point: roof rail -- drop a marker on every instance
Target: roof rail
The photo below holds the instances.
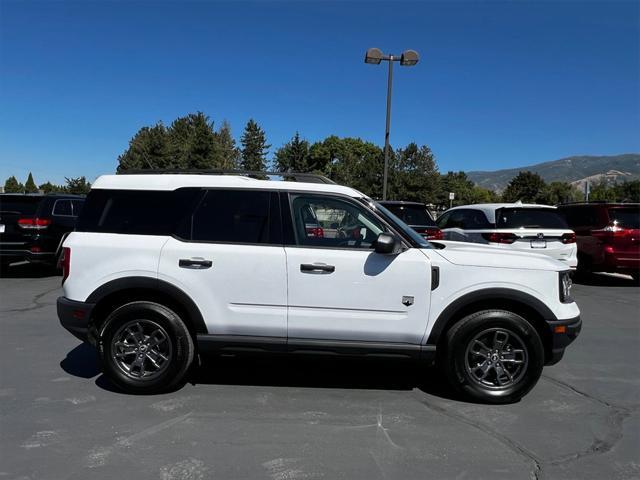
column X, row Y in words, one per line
column 296, row 176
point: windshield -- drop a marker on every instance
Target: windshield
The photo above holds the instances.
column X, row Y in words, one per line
column 626, row 217
column 412, row 214
column 529, row 218
column 399, row 224
column 17, row 205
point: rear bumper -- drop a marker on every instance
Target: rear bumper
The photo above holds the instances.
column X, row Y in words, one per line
column 563, row 332
column 10, row 256
column 75, row 318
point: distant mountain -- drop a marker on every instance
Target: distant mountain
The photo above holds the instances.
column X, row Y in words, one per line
column 575, row 170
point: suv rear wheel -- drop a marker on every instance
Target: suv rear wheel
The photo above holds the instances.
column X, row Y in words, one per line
column 146, row 348
column 493, row 356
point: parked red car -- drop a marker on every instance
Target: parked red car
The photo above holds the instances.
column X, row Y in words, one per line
column 608, row 236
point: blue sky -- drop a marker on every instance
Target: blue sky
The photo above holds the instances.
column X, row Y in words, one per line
column 499, row 84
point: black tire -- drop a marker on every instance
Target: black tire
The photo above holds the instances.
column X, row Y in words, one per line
column 132, row 329
column 510, row 372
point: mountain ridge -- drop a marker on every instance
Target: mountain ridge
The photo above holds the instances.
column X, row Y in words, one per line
column 575, row 169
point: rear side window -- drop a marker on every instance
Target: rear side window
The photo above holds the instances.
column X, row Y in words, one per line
column 62, row 208
column 18, row 205
column 141, row 212
column 625, row 217
column 236, row 216
column 77, row 206
column 529, row 218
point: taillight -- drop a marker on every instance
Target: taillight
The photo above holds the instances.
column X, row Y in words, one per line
column 568, row 238
column 610, row 232
column 65, row 262
column 34, row 223
column 498, row 237
column 432, row 234
column 315, row 232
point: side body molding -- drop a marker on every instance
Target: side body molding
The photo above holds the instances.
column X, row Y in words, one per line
column 158, row 286
column 489, row 296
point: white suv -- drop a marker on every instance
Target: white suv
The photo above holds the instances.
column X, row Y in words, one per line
column 513, row 226
column 163, row 267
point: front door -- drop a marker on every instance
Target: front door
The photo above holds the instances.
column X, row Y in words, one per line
column 339, row 288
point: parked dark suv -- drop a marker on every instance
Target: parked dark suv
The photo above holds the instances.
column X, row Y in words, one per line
column 608, row 236
column 33, row 226
column 417, row 216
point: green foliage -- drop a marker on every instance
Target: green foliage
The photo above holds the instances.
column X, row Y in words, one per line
column 13, row 186
column 293, row 156
column 254, row 147
column 30, row 185
column 621, row 192
column 413, row 175
column 527, row 187
column 228, row 152
column 560, row 192
column 49, row 187
column 77, row 186
column 149, row 148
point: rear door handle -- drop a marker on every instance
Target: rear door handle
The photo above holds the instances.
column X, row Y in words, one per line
column 195, row 263
column 317, row 268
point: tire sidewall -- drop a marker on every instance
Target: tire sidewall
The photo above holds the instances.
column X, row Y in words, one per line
column 468, row 329
column 181, row 346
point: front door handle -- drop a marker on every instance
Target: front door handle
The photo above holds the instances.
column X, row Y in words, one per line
column 317, row 268
column 195, row 263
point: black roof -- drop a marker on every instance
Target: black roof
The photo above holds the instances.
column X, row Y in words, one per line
column 599, row 203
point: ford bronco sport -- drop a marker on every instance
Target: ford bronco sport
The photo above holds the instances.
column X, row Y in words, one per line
column 163, row 267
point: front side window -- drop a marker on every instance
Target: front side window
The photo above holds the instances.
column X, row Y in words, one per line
column 331, row 222
column 233, row 216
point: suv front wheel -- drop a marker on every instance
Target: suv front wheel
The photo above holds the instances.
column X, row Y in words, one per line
column 146, row 348
column 493, row 356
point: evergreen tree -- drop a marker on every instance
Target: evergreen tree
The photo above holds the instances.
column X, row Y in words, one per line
column 149, row 148
column 13, row 186
column 228, row 152
column 30, row 186
column 413, row 175
column 77, row 186
column 49, row 187
column 293, row 156
column 526, row 187
column 254, row 147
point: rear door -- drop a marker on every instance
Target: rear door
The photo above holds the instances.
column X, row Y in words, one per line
column 229, row 258
column 340, row 289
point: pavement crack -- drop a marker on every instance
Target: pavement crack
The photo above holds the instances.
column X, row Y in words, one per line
column 573, row 389
column 35, row 304
column 512, row 445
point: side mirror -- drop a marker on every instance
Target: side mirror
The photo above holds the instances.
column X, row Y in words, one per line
column 386, row 244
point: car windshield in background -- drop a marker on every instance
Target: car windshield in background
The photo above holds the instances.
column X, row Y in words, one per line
column 529, row 218
column 412, row 214
column 400, row 225
column 17, row 205
column 626, row 217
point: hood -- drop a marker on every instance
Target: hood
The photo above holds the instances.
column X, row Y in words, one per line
column 478, row 255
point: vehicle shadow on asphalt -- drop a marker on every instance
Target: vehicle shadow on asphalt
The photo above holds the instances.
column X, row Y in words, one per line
column 287, row 371
column 28, row 270
column 605, row 280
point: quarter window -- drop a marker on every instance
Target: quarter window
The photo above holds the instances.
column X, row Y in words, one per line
column 331, row 222
column 63, row 208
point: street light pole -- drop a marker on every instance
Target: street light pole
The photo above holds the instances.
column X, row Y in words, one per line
column 386, row 133
column 407, row 59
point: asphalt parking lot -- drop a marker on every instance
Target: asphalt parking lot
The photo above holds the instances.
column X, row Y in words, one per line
column 288, row 419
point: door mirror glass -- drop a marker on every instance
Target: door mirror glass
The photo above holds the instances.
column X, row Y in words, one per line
column 386, row 244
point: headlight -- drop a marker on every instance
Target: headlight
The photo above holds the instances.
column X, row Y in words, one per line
column 565, row 287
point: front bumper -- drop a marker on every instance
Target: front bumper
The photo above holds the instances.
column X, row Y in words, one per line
column 75, row 317
column 562, row 332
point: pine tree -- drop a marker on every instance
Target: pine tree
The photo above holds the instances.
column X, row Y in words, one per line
column 13, row 186
column 254, row 147
column 77, row 186
column 49, row 187
column 293, row 156
column 149, row 148
column 30, row 186
column 229, row 154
